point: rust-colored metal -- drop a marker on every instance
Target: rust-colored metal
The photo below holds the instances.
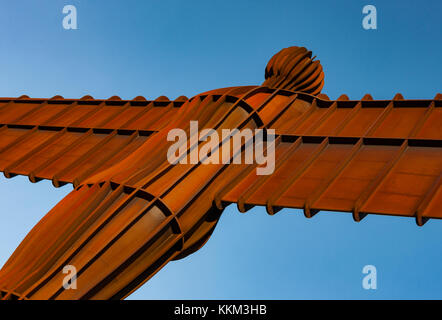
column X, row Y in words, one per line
column 131, row 211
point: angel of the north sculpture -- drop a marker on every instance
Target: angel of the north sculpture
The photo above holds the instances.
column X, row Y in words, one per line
column 133, row 210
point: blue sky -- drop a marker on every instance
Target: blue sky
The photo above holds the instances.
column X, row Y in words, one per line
column 174, row 48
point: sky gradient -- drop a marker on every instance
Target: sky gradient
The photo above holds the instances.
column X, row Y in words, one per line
column 173, row 48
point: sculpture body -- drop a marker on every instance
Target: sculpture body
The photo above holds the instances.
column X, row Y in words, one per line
column 132, row 211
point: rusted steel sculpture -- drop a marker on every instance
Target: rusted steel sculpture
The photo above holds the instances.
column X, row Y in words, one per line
column 131, row 211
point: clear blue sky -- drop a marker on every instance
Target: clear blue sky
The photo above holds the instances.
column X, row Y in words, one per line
column 154, row 48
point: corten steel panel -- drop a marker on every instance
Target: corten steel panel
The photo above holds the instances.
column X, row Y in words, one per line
column 132, row 211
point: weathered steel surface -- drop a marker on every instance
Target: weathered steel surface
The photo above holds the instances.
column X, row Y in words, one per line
column 132, row 211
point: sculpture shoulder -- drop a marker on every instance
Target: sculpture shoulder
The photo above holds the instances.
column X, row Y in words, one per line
column 239, row 91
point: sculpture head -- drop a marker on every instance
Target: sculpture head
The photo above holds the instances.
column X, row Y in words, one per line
column 293, row 68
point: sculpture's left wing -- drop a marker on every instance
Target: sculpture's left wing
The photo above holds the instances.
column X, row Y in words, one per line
column 66, row 140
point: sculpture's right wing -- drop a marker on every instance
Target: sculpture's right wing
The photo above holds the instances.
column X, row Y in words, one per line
column 364, row 157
